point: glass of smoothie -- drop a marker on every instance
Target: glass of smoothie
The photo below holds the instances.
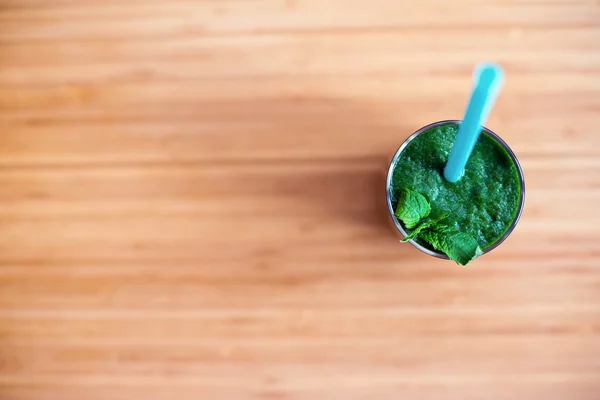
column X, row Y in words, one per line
column 486, row 203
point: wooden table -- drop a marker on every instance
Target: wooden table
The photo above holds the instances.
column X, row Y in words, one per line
column 192, row 201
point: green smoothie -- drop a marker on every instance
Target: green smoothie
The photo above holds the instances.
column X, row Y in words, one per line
column 482, row 204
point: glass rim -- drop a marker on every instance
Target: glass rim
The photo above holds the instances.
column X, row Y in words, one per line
column 394, row 161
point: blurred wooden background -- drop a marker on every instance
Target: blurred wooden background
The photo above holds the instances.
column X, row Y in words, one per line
column 191, row 201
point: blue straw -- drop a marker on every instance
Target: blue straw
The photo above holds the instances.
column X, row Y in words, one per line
column 488, row 79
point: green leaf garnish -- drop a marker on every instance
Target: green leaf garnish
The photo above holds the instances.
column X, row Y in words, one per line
column 412, row 207
column 458, row 246
column 421, row 226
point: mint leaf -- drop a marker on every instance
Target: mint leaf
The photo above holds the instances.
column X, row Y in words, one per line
column 412, row 207
column 458, row 246
column 421, row 226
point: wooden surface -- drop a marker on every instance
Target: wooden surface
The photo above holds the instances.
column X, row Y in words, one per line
column 191, row 201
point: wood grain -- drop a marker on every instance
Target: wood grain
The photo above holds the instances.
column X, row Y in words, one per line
column 191, row 201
